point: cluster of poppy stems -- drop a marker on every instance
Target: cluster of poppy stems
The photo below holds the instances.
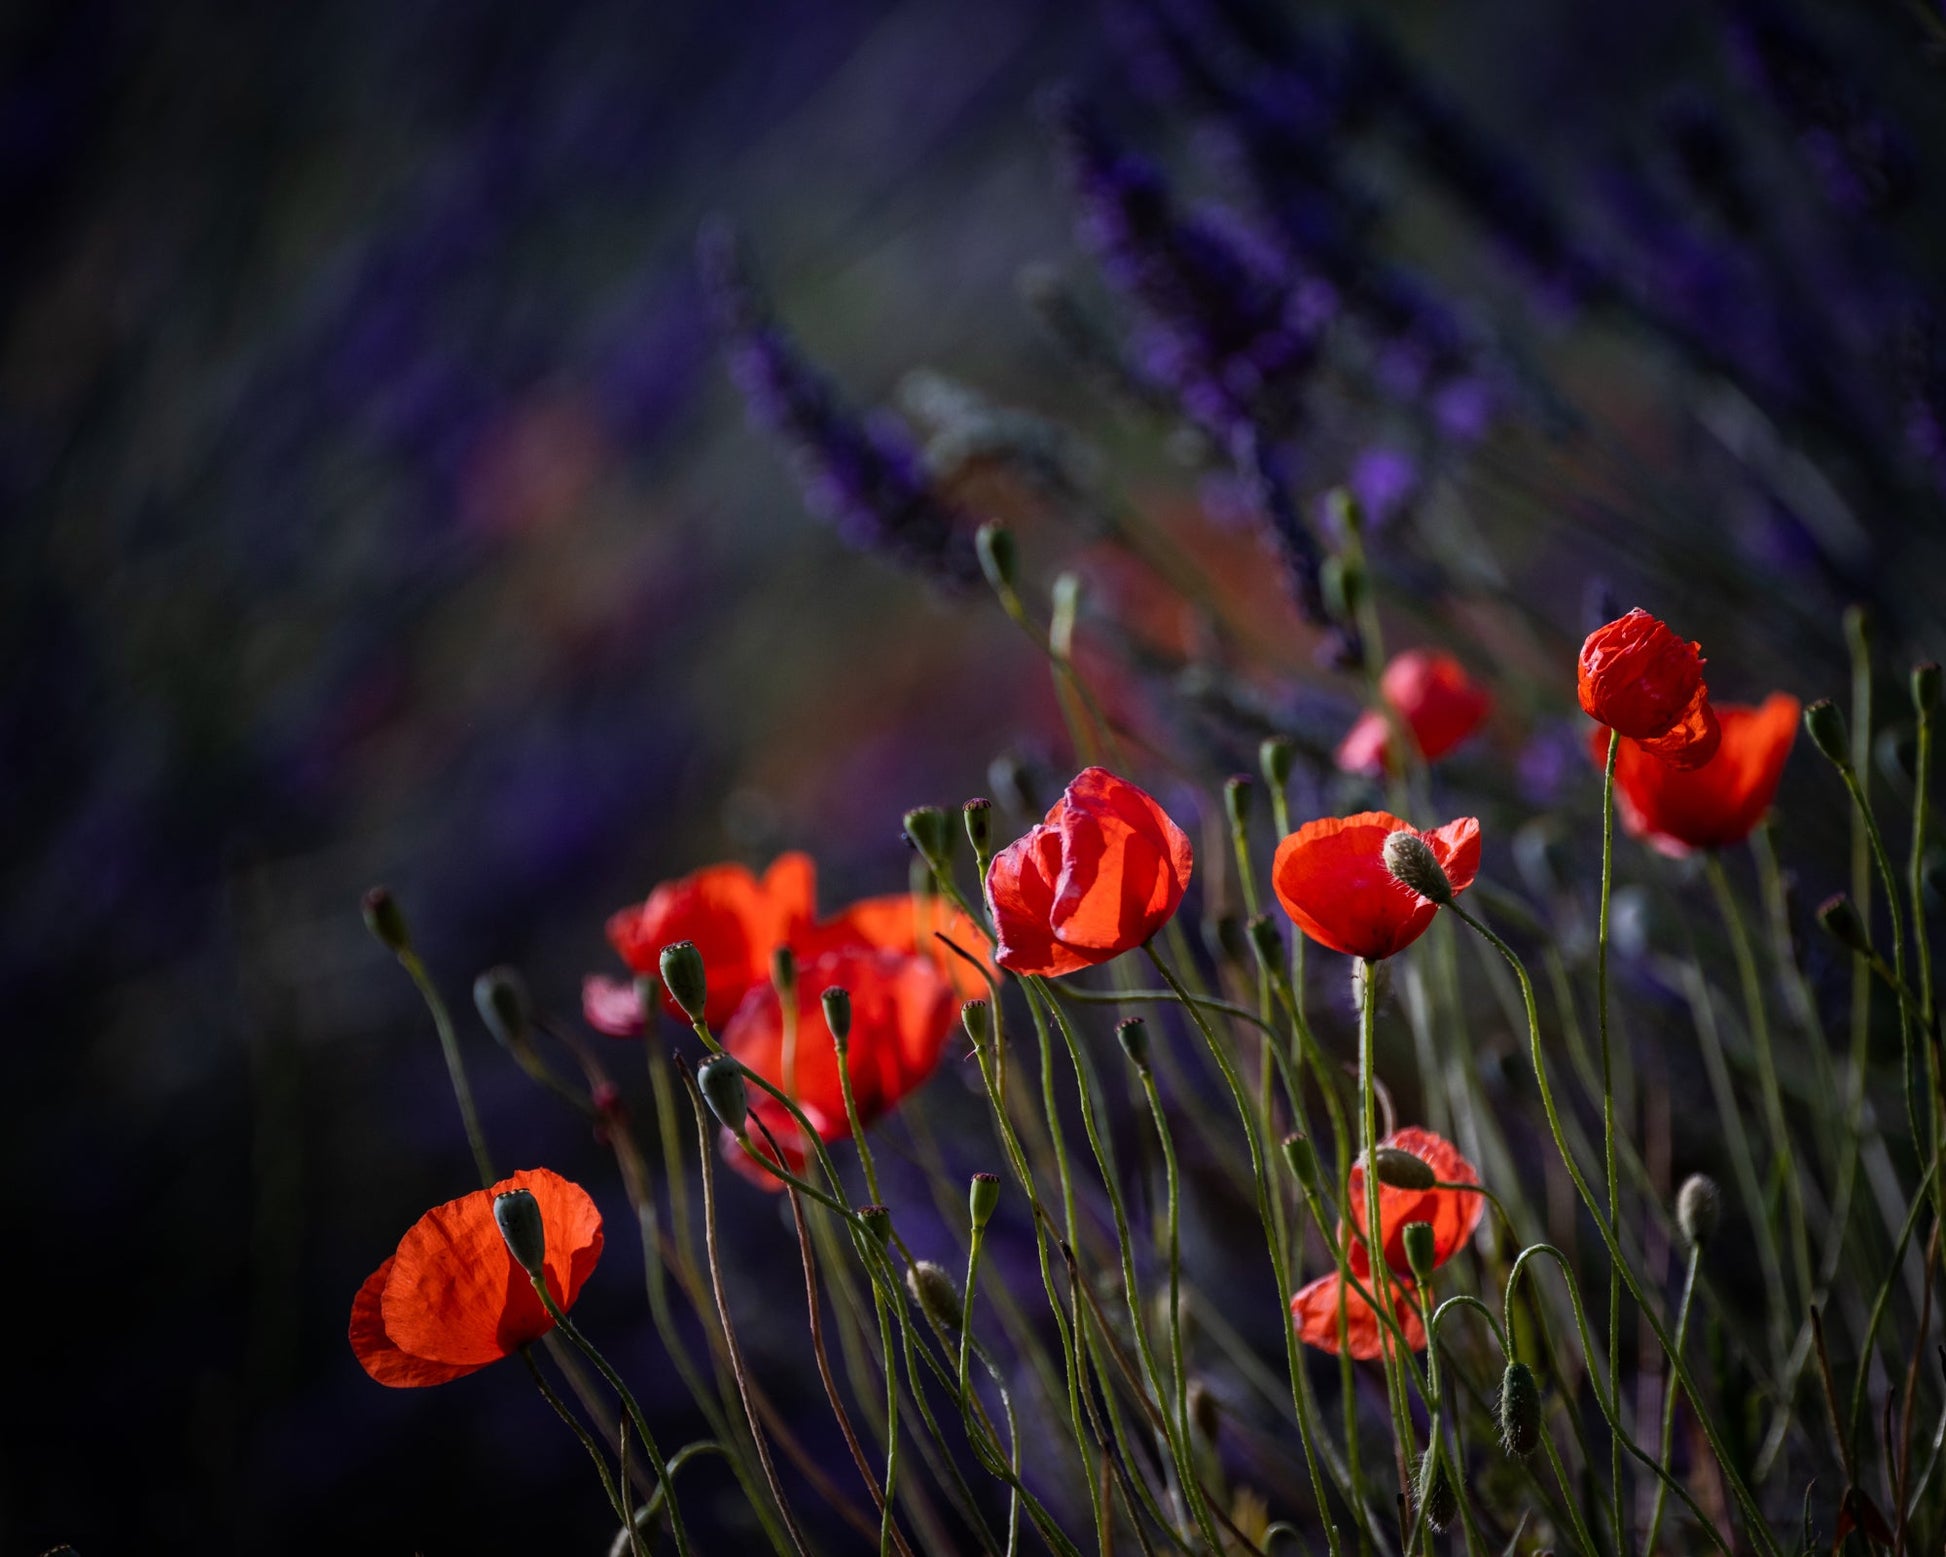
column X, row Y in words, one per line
column 1098, row 877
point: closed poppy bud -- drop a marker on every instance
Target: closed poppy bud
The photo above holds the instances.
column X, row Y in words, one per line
column 685, row 978
column 501, row 998
column 1642, row 681
column 937, row 1295
column 978, row 816
column 1205, row 1412
column 1265, row 941
column 1302, row 1158
column 1434, row 1489
column 1134, row 1036
column 1343, row 581
column 1277, row 757
column 724, row 1089
column 976, row 1016
column 1419, row 1247
column 998, row 558
column 1699, row 1205
column 386, row 921
column 982, row 1197
column 926, row 827
column 1236, row 801
column 1402, row 1170
column 1840, row 920
column 878, row 1222
column 1858, row 631
column 519, row 1216
column 1520, row 1411
column 837, row 1014
column 1826, row 727
column 1411, row 861
column 1925, row 687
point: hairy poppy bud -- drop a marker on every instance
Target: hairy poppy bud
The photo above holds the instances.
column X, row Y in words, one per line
column 937, row 1295
column 982, row 1197
column 1925, row 687
column 721, row 1079
column 1400, row 1169
column 1420, row 1254
column 1277, row 757
column 1265, row 941
column 1826, row 727
column 998, row 559
column 1699, row 1203
column 501, row 997
column 926, row 827
column 878, row 1222
column 1520, row 1411
column 837, row 1015
column 1302, row 1158
column 385, row 920
column 1434, row 1489
column 978, row 816
column 684, row 976
column 1411, row 861
column 976, row 1016
column 1134, row 1035
column 519, row 1215
column 1840, row 920
column 1236, row 801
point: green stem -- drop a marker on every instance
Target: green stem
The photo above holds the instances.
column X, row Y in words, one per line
column 1669, row 1401
column 1610, row 1173
column 442, row 1021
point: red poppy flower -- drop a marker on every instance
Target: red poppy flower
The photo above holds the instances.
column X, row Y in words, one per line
column 1431, row 692
column 1642, row 681
column 911, row 924
column 1314, row 1310
column 1453, row 1213
column 902, row 1010
column 1718, row 804
column 451, row 1299
column 1330, row 876
column 1100, row 876
column 735, row 920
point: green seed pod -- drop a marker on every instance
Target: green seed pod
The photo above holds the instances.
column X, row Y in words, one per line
column 501, row 998
column 976, row 1016
column 937, row 1295
column 1302, row 1158
column 837, row 1015
column 1826, row 727
column 878, row 1221
column 998, row 558
column 1236, row 801
column 1434, row 1489
column 385, row 920
column 1134, row 1036
column 1411, row 861
column 1925, row 688
column 1841, row 922
column 684, row 976
column 518, row 1214
column 1699, row 1205
column 1401, row 1170
column 1418, row 1239
column 1277, row 757
column 926, row 827
column 721, row 1080
column 978, row 816
column 982, row 1197
column 1520, row 1411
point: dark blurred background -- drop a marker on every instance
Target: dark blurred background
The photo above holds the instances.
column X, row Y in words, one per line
column 378, row 508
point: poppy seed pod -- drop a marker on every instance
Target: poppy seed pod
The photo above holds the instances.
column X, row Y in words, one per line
column 926, row 827
column 976, row 1016
column 518, row 1214
column 1520, row 1411
column 1399, row 1169
column 982, row 1197
column 837, row 1014
column 1826, row 727
column 1699, row 1204
column 977, row 813
column 1412, row 863
column 936, row 1294
column 386, row 922
column 998, row 559
column 1134, row 1037
column 878, row 1222
column 501, row 997
column 1420, row 1252
column 1302, row 1158
column 1925, row 688
column 1236, row 801
column 1434, row 1489
column 724, row 1089
column 1840, row 920
column 685, row 978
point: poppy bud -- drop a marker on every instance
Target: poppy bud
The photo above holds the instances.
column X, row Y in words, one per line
column 936, row 1294
column 837, row 1015
column 1134, row 1034
column 1227, row 939
column 1343, row 579
column 878, row 1221
column 1236, row 801
column 721, row 1079
column 1205, row 1414
column 684, row 976
column 384, row 919
column 783, row 972
column 1411, row 861
column 519, row 1216
column 1699, row 1203
column 998, row 559
column 501, row 997
column 1419, row 1251
column 1265, row 941
column 1434, row 1489
column 978, row 815
column 1277, row 756
column 976, row 1016
column 982, row 1197
column 1858, row 631
column 1840, row 920
column 1302, row 1157
column 926, row 827
column 1925, row 688
column 1398, row 1169
column 1827, row 730
column 1520, row 1411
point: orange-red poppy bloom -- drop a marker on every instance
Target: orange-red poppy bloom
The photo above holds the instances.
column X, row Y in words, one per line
column 451, row 1299
column 911, row 924
column 1330, row 876
column 1435, row 699
column 1098, row 877
column 1643, row 682
column 735, row 920
column 1453, row 1213
column 1718, row 804
column 1314, row 1310
column 903, row 1008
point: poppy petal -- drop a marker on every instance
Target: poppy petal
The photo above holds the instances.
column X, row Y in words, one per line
column 1719, row 804
column 1315, row 1312
column 1020, row 896
column 1453, row 1214
column 611, row 1006
column 377, row 1353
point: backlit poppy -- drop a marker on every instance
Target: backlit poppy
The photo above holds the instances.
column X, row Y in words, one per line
column 1314, row 1310
column 451, row 1299
column 611, row 1006
column 903, row 1008
column 1330, row 875
column 1453, row 1213
column 909, row 923
column 1642, row 681
column 1435, row 698
column 1098, row 877
column 1719, row 804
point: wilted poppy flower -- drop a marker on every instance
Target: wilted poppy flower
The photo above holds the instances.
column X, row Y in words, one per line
column 1718, row 804
column 1453, row 1213
column 1100, row 876
column 451, row 1299
column 902, row 1009
column 1642, row 681
column 735, row 920
column 1331, row 877
column 1435, row 698
column 1314, row 1310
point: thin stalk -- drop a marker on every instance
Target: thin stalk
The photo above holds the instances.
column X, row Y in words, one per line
column 1611, row 1175
column 1669, row 1400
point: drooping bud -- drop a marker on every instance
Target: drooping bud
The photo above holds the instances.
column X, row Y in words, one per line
column 978, row 816
column 1134, row 1036
column 1419, row 1250
column 878, row 1222
column 1411, row 861
column 1925, row 688
column 976, row 1016
column 684, row 976
column 1401, row 1170
column 1277, row 757
column 1826, row 727
column 1520, row 1411
column 998, row 559
column 783, row 974
column 518, row 1214
column 837, row 1015
column 1840, row 919
column 1302, row 1158
column 1434, row 1489
column 500, row 995
column 1699, row 1205
column 1236, row 801
column 982, row 1197
column 724, row 1089
column 386, row 921
column 926, row 827
column 937, row 1295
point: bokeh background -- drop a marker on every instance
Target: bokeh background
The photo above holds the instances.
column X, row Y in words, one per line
column 378, row 507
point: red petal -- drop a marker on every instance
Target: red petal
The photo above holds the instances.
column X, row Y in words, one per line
column 1315, row 1312
column 1718, row 804
column 375, row 1350
column 1020, row 896
column 1454, row 1214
